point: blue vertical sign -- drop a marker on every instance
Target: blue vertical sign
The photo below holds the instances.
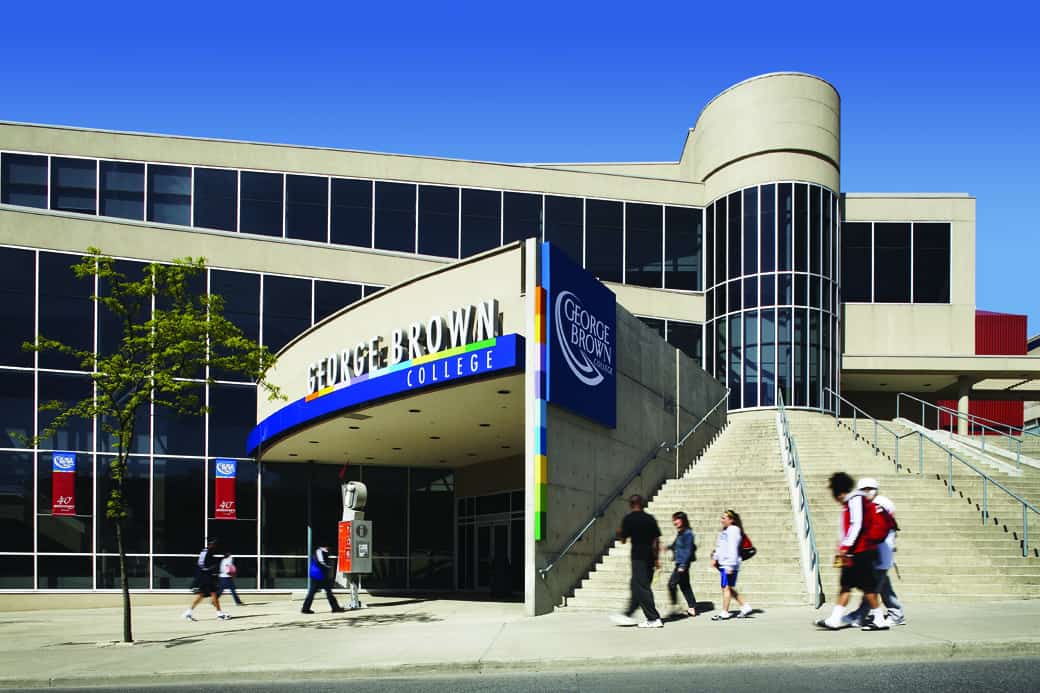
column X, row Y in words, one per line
column 580, row 316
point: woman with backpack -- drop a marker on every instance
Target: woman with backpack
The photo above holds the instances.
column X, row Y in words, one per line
column 684, row 550
column 726, row 559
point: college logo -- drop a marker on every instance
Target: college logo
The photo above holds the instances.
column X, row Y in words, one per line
column 584, row 340
column 64, row 462
column 226, row 469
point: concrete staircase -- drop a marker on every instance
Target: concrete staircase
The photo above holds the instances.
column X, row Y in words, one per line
column 944, row 550
column 742, row 471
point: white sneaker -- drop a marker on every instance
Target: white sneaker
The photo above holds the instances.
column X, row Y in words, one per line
column 656, row 623
column 224, row 617
column 896, row 620
column 745, row 611
column 187, row 615
column 622, row 620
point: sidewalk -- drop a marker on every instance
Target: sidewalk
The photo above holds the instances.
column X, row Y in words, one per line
column 408, row 636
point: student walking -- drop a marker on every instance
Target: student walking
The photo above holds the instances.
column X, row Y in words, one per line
column 857, row 554
column 227, row 573
column 321, row 579
column 885, row 562
column 208, row 567
column 642, row 529
column 683, row 549
column 726, row 559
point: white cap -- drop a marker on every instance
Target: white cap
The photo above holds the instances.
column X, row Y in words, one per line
column 886, row 503
column 867, row 482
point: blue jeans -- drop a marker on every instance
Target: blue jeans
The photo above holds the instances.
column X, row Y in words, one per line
column 227, row 583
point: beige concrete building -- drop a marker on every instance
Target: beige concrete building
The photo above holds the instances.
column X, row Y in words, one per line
column 744, row 255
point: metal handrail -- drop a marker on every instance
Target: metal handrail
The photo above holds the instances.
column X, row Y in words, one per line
column 1027, row 507
column 808, row 533
column 972, row 417
column 878, row 426
column 620, row 490
column 959, row 415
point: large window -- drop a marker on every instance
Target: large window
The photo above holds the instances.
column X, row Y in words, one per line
column 682, row 248
column 521, row 216
column 66, row 309
column 931, row 263
column 643, row 245
column 329, row 297
column 169, row 194
column 395, row 217
column 287, row 309
column 23, row 180
column 481, row 221
column 216, row 199
column 563, row 227
column 604, row 234
column 856, row 262
column 439, row 221
column 261, row 203
column 307, row 208
column 892, row 263
column 122, row 190
column 74, row 185
column 17, row 310
column 351, row 222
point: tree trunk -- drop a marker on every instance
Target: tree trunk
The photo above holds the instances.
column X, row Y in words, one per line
column 128, row 635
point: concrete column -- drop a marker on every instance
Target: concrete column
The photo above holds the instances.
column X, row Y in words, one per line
column 964, row 384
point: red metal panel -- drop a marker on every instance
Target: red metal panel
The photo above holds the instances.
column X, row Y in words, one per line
column 1002, row 411
column 1000, row 334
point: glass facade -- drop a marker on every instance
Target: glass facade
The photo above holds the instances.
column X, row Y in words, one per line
column 658, row 246
column 895, row 262
column 772, row 286
column 171, row 468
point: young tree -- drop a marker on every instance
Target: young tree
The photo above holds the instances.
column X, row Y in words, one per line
column 172, row 341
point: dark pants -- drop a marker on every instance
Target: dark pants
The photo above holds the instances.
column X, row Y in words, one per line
column 228, row 584
column 642, row 595
column 681, row 579
column 320, row 585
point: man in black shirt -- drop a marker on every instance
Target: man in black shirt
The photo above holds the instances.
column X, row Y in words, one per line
column 642, row 529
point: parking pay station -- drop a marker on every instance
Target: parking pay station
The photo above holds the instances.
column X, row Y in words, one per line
column 355, row 541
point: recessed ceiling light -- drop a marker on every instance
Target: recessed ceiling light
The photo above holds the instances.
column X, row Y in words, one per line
column 355, row 428
column 414, row 411
column 485, row 425
column 503, row 392
column 435, row 437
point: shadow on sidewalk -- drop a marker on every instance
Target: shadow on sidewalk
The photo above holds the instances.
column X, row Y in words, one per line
column 341, row 622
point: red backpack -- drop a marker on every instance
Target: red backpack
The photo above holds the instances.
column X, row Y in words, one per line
column 877, row 523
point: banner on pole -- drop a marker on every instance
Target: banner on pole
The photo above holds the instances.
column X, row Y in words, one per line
column 224, row 496
column 63, row 483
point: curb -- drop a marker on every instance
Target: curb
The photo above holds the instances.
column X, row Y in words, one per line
column 938, row 651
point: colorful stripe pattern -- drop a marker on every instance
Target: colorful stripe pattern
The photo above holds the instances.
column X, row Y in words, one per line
column 541, row 459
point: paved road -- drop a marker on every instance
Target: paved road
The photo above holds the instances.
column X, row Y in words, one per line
column 979, row 676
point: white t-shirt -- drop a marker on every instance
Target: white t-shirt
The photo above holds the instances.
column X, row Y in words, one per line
column 225, row 563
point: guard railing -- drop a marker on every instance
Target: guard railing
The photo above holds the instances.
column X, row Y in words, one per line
column 806, row 534
column 987, row 480
column 620, row 490
column 1014, row 443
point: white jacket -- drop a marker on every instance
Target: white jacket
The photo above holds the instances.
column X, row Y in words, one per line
column 727, row 548
column 886, row 549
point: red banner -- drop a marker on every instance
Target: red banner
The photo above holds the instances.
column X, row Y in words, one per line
column 224, row 496
column 343, row 547
column 63, row 483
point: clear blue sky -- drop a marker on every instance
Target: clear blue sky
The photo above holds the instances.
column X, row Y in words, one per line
column 940, row 99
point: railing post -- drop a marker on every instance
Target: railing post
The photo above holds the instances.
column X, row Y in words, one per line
column 949, row 473
column 895, row 443
column 920, row 454
column 875, row 438
column 924, row 422
column 897, row 403
column 1025, row 530
column 985, row 500
column 855, row 426
column 1018, row 456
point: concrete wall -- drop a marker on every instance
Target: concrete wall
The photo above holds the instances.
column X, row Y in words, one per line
column 496, row 274
column 660, row 392
column 922, row 329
